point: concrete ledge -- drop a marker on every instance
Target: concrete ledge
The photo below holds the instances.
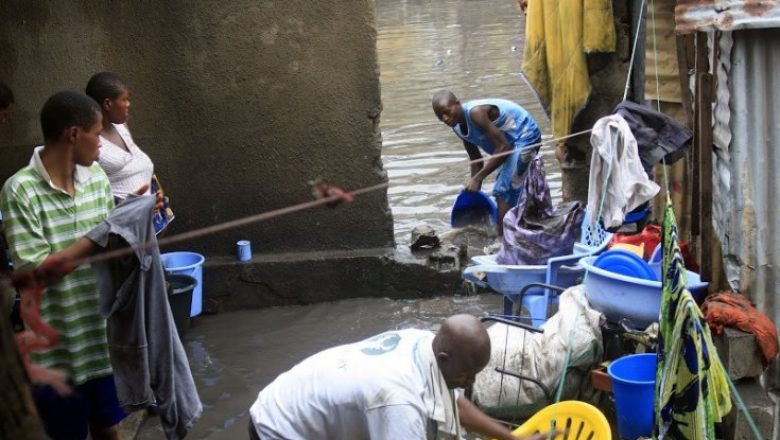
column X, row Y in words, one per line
column 739, row 353
column 310, row 277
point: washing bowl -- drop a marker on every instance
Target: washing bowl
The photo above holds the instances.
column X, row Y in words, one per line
column 619, row 296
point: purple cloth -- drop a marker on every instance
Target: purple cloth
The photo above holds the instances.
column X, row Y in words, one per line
column 535, row 231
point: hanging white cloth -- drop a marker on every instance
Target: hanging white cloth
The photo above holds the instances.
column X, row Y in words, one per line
column 615, row 161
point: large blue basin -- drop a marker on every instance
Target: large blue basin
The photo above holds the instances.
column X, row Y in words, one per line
column 618, row 296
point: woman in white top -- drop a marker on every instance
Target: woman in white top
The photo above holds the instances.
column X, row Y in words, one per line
column 128, row 168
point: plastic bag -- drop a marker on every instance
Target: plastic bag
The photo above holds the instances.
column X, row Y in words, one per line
column 535, row 231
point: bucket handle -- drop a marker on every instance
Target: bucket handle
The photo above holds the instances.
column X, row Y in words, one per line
column 190, row 272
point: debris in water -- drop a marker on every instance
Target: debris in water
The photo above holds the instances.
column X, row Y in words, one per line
column 424, row 237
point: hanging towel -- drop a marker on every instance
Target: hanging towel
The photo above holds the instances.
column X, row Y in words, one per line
column 558, row 35
column 658, row 136
column 615, row 163
column 692, row 391
column 149, row 361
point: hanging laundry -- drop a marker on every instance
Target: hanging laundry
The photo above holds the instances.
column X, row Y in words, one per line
column 658, row 136
column 730, row 309
column 615, row 165
column 148, row 358
column 558, row 36
column 692, row 391
column 535, row 231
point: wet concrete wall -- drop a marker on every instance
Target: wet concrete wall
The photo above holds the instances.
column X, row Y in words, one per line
column 238, row 103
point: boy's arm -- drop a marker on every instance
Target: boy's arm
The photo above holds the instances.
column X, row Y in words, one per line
column 81, row 249
column 23, row 229
column 480, row 117
column 474, row 154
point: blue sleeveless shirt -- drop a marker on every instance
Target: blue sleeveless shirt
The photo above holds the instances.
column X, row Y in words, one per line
column 517, row 125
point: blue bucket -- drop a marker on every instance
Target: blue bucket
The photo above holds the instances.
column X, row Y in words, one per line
column 187, row 263
column 470, row 208
column 633, row 382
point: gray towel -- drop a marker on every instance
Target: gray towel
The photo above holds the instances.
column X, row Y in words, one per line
column 148, row 359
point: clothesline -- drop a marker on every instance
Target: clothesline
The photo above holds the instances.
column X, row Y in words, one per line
column 255, row 218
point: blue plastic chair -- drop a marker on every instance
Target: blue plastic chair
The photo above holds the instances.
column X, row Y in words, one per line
column 563, row 271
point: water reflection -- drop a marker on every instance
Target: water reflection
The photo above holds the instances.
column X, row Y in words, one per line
column 474, row 48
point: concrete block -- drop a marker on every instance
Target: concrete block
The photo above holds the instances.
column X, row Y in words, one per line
column 759, row 406
column 739, row 353
column 310, row 277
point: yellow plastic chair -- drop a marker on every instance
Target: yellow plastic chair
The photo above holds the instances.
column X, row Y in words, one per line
column 579, row 418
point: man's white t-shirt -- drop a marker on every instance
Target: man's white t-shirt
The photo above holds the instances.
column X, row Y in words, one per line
column 373, row 389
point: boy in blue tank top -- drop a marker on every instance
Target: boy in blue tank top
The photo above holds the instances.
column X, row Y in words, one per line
column 495, row 126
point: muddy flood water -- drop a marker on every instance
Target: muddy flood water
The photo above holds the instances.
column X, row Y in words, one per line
column 474, row 48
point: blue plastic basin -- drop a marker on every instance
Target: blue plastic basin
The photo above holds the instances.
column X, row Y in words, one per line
column 470, row 208
column 509, row 279
column 618, row 296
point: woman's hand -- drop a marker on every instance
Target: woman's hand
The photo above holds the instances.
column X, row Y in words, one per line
column 159, row 195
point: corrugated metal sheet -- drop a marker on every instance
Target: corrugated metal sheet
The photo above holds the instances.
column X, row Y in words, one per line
column 726, row 15
column 722, row 203
column 752, row 228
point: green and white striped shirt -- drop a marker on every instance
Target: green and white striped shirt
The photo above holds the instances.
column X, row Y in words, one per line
column 42, row 219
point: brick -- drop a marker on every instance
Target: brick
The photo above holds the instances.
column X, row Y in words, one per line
column 739, row 353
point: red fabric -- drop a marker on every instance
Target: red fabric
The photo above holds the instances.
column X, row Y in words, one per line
column 651, row 237
column 729, row 309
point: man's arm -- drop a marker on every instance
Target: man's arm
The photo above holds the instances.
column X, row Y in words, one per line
column 474, row 420
column 481, row 118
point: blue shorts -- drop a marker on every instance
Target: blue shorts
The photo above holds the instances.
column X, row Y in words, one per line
column 69, row 417
column 511, row 174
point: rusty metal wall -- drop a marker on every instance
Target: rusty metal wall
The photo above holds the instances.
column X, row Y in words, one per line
column 752, row 226
column 726, row 15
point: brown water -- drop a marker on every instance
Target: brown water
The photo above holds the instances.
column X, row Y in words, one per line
column 472, row 47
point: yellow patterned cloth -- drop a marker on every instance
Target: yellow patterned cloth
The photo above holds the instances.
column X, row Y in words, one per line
column 558, row 34
column 692, row 391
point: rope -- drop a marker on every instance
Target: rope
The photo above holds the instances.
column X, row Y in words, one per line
column 741, row 405
column 244, row 221
column 226, row 225
column 599, row 212
column 633, row 50
column 527, row 147
column 737, row 398
column 658, row 91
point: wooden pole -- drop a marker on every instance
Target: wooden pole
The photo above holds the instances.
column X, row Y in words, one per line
column 704, row 136
column 685, row 64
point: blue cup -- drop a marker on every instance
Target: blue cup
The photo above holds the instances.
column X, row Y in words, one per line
column 244, row 248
